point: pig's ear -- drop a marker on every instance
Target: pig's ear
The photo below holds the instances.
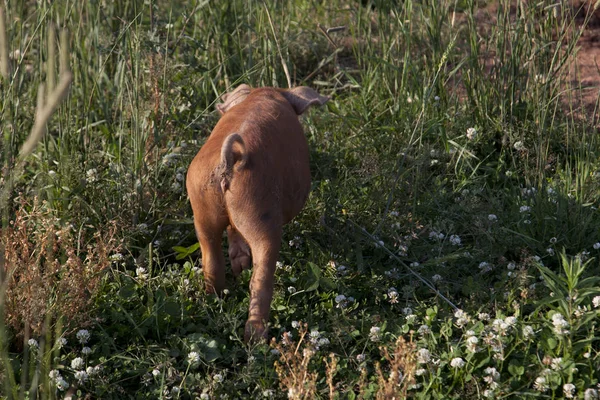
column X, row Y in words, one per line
column 233, row 98
column 302, row 97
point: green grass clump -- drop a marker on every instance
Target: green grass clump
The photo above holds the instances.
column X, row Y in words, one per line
column 449, row 248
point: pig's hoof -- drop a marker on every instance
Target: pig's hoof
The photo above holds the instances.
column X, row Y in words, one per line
column 255, row 332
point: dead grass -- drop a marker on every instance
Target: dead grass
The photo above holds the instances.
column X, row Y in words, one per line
column 52, row 269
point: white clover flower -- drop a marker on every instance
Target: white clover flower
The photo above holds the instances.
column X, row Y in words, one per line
column 596, row 301
column 540, row 384
column 176, row 187
column 275, row 352
column 374, row 333
column 61, row 342
column 483, row 316
column 81, row 376
column 510, row 321
column 462, row 318
column 52, row 173
column 560, row 324
column 61, row 384
column 407, row 311
column 436, row 98
column 54, row 374
column 492, row 372
column 77, row 363
column 420, row 372
column 590, row 394
column 83, row 336
column 528, row 332
column 218, row 378
column 91, row 371
column 33, row 343
column 457, row 362
column 323, row 341
column 471, row 133
column 268, row 393
column 92, row 175
column 360, row 357
column 180, row 177
column 492, row 217
column 414, row 264
column 436, row 278
column 393, row 295
column 596, row 246
column 204, row 396
column 193, row 357
column 295, row 324
column 315, row 334
column 519, row 146
column 524, row 209
column 472, row 344
column 485, row 266
column 455, row 240
column 175, row 390
column 86, row 350
column 424, row 330
column 341, row 301
column 555, row 363
column 291, row 289
column 423, row 356
column 550, row 251
column 569, row 390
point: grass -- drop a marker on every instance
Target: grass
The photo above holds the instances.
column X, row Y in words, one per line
column 448, row 248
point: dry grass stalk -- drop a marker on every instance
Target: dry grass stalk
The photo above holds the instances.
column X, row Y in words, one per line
column 4, row 63
column 402, row 367
column 293, row 367
column 46, row 272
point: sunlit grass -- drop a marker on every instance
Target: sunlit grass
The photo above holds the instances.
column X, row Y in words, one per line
column 448, row 248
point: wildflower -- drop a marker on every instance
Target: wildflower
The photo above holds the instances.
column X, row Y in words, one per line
column 342, row 270
column 392, row 295
column 323, row 341
column 424, row 330
column 314, row 334
column 407, row 310
column 483, row 316
column 471, row 133
column 61, row 384
column 92, row 175
column 524, row 209
column 462, row 318
column 420, row 372
column 596, row 301
column 492, row 372
column 275, row 352
column 414, row 264
column 519, row 146
column 436, row 98
column 52, row 173
column 472, row 344
column 360, row 357
column 295, row 324
column 457, row 362
column 341, row 301
column 83, row 336
column 550, row 251
column 590, row 394
column 295, row 242
column 560, row 324
column 555, row 363
column 268, row 393
column 193, row 357
column 492, row 217
column 179, row 177
column 218, row 378
column 485, row 266
column 510, row 321
column 174, row 390
column 33, row 343
column 61, row 342
column 436, row 278
column 569, row 390
column 423, row 356
column 141, row 273
column 374, row 333
column 291, row 289
column 77, row 363
column 176, row 187
column 528, row 332
column 455, row 240
column 116, row 257
column 540, row 384
column 54, row 374
column 86, row 350
column 81, row 376
column 596, row 245
column 204, row 396
column 169, row 159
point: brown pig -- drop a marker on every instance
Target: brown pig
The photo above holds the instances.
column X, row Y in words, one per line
column 251, row 177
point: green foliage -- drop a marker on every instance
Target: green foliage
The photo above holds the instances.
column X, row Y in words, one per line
column 455, row 145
